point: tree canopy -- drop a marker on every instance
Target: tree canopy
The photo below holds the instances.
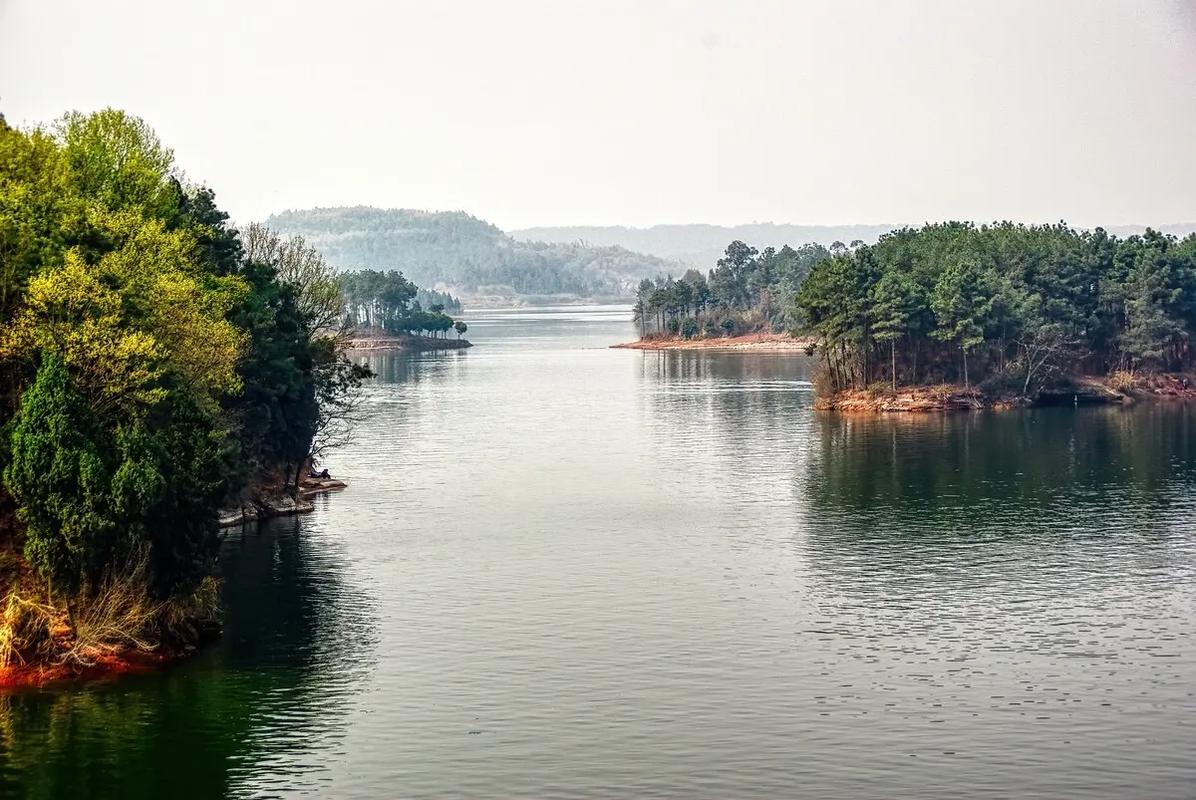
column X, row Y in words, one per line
column 1010, row 305
column 387, row 300
column 748, row 290
column 154, row 363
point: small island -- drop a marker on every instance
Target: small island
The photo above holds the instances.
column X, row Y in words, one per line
column 951, row 316
column 384, row 311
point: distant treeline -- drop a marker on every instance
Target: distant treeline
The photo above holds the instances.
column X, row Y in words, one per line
column 430, row 297
column 698, row 245
column 747, row 291
column 469, row 255
column 387, row 300
column 1014, row 306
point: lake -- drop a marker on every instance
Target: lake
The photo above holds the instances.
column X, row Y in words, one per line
column 562, row 570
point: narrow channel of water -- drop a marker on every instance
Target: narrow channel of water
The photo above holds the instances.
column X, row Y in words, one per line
column 568, row 571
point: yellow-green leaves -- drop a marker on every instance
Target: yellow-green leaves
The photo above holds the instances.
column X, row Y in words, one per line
column 187, row 317
column 72, row 314
column 117, row 161
column 141, row 313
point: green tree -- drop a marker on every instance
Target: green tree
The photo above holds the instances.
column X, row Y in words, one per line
column 898, row 307
column 60, row 476
column 961, row 304
column 729, row 281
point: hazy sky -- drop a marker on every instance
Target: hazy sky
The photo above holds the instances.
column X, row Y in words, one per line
column 641, row 112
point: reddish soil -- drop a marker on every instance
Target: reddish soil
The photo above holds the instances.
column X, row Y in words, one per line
column 757, row 342
column 945, row 397
column 1114, row 390
column 105, row 667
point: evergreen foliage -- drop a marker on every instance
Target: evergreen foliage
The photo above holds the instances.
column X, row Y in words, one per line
column 1009, row 304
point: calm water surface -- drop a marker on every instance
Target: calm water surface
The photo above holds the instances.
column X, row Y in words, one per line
column 563, row 570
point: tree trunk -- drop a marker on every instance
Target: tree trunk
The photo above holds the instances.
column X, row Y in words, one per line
column 964, row 350
column 298, row 474
column 893, row 354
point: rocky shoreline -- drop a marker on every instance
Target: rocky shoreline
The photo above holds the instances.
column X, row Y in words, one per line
column 384, row 344
column 1115, row 390
column 265, row 505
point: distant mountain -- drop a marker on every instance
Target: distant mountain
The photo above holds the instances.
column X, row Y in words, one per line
column 456, row 252
column 702, row 245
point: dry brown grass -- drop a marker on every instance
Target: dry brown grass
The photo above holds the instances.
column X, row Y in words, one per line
column 118, row 618
column 1122, row 381
column 26, row 630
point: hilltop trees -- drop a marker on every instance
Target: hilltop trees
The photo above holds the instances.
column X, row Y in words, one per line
column 962, row 308
column 1012, row 307
column 125, row 332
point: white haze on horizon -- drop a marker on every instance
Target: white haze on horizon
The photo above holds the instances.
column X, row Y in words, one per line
column 640, row 113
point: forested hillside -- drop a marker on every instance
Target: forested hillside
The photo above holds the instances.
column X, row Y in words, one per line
column 465, row 255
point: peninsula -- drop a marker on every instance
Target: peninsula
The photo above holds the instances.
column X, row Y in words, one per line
column 953, row 315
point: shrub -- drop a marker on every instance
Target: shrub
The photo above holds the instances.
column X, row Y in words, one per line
column 1122, row 381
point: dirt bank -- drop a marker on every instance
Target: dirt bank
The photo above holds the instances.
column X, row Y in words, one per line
column 913, row 399
column 1117, row 389
column 106, row 666
column 756, row 342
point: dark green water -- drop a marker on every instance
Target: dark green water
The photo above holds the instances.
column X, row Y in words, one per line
column 563, row 570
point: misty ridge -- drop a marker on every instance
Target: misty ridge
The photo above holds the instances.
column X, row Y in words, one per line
column 454, row 251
